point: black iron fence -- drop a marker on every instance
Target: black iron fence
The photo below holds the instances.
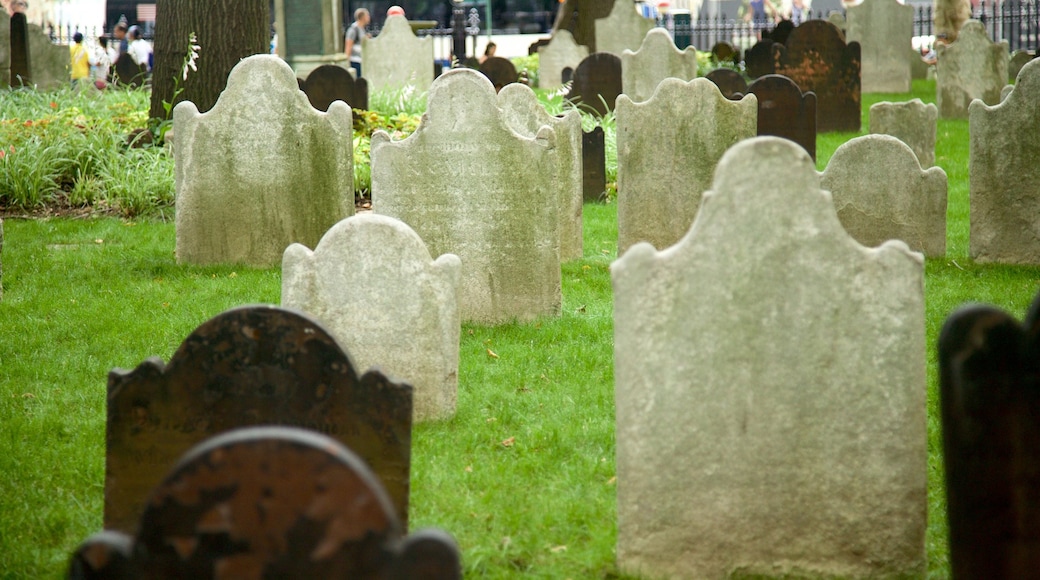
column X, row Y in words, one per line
column 1012, row 20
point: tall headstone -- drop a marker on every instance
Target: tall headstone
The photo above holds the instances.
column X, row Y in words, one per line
column 261, row 170
column 1004, row 175
column 500, row 71
column 397, row 58
column 770, row 388
column 912, row 122
column 881, row 193
column 593, row 165
column 884, row 30
column 525, row 115
column 249, row 366
column 623, row 29
column 21, row 62
column 404, row 319
column 783, row 111
column 731, row 83
column 667, row 150
column 969, row 68
column 758, row 60
column 470, row 186
column 330, row 82
column 817, row 59
column 596, row 83
column 561, row 52
column 657, row 59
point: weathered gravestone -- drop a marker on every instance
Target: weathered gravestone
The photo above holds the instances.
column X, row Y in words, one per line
column 500, row 71
column 731, row 83
column 1018, row 60
column 536, row 46
column 50, row 62
column 667, row 150
column 969, row 68
column 268, row 502
column 249, row 366
column 1004, row 177
column 657, row 59
column 260, row 170
column 783, row 111
column 989, row 395
column 397, row 58
column 329, row 83
column 5, row 48
column 525, row 115
column 818, row 60
column 758, row 60
column 912, row 122
column 881, row 193
column 624, row 28
column 770, row 388
column 28, row 57
column 470, row 186
column 918, row 67
column 21, row 61
column 404, row 319
column 596, row 83
column 561, row 52
column 579, row 18
column 1004, row 92
column 884, row 29
column 593, row 165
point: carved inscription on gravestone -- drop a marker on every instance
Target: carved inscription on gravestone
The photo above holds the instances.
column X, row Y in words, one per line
column 657, row 59
column 818, row 60
column 329, row 83
column 596, row 83
column 783, row 111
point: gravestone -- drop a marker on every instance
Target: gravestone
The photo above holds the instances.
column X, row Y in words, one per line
column 470, row 186
column 723, row 51
column 561, row 52
column 21, row 61
column 128, row 73
column 596, row 83
column 731, row 83
column 759, row 59
column 525, row 115
column 405, row 319
column 667, row 150
column 770, row 388
column 623, row 29
column 50, row 62
column 5, row 49
column 881, row 193
column 912, row 122
column 969, row 68
column 255, row 365
column 579, row 18
column 536, row 46
column 838, row 20
column 1018, row 60
column 989, row 405
column 268, row 502
column 1004, row 177
column 1004, row 92
column 918, row 67
column 781, row 32
column 818, row 60
column 657, row 59
column 397, row 58
column 593, row 165
column 884, row 29
column 500, row 71
column 783, row 111
column 329, row 83
column 262, row 169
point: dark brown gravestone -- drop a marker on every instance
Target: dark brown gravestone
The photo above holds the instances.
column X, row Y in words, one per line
column 268, row 502
column 730, row 83
column 255, row 365
column 725, row 52
column 21, row 67
column 129, row 73
column 593, row 165
column 781, row 32
column 784, row 111
column 500, row 71
column 596, row 83
column 579, row 18
column 330, row 82
column 758, row 60
column 818, row 60
column 566, row 75
column 532, row 49
column 989, row 395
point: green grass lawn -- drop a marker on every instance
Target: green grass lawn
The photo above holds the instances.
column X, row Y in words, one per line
column 83, row 296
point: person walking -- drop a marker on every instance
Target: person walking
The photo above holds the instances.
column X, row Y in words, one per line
column 79, row 59
column 100, row 63
column 355, row 33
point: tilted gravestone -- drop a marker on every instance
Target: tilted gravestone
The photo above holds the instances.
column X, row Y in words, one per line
column 525, row 115
column 596, row 83
column 593, row 165
column 818, row 60
column 969, row 68
column 470, row 186
column 268, row 502
column 758, row 60
column 1004, row 177
column 912, row 122
column 731, row 83
column 21, row 59
column 881, row 193
column 261, row 170
column 404, row 319
column 657, row 59
column 329, row 83
column 1018, row 60
column 667, row 150
column 989, row 396
column 500, row 71
column 397, row 58
column 884, row 30
column 623, row 29
column 561, row 52
column 249, row 366
column 770, row 388
column 783, row 111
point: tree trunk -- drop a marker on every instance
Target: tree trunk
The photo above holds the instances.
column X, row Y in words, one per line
column 950, row 15
column 227, row 31
column 579, row 17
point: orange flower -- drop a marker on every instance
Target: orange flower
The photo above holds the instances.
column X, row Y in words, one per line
column 54, row 105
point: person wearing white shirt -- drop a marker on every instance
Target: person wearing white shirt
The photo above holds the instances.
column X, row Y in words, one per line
column 140, row 49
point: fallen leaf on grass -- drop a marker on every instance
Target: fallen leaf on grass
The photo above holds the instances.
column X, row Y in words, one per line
column 490, row 420
column 232, row 275
column 509, row 442
column 469, row 469
column 558, row 549
column 586, row 267
column 491, row 353
column 612, row 480
column 99, row 241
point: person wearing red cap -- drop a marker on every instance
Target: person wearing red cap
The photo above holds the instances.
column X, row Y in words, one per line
column 395, row 11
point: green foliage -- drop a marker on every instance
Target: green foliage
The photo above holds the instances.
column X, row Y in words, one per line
column 706, row 62
column 527, row 68
column 390, row 102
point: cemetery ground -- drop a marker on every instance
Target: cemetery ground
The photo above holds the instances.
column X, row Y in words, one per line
column 523, row 476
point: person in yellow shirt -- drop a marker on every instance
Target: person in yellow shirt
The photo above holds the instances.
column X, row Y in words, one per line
column 79, row 60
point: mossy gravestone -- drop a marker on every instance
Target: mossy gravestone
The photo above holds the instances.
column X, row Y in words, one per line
column 884, row 30
column 817, row 59
column 397, row 59
column 623, row 29
column 912, row 122
column 969, row 68
column 657, row 59
column 770, row 388
column 249, row 366
column 561, row 52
